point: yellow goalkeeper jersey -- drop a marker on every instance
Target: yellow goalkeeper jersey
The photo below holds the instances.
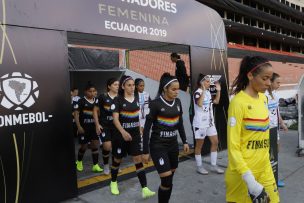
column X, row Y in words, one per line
column 248, row 134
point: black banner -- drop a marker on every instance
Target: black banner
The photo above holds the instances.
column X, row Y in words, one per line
column 81, row 58
column 36, row 144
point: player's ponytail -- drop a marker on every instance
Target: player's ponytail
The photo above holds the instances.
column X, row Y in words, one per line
column 249, row 64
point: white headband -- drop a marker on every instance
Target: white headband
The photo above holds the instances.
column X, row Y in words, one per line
column 168, row 83
column 125, row 80
column 205, row 78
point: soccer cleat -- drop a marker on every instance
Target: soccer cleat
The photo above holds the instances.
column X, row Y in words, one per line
column 217, row 169
column 202, row 170
column 106, row 169
column 146, row 193
column 281, row 183
column 114, row 188
column 96, row 168
column 79, row 166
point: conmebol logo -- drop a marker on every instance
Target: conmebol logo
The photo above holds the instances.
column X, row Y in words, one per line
column 18, row 91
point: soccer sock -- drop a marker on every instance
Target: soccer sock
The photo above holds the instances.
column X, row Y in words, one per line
column 80, row 154
column 141, row 174
column 114, row 170
column 105, row 156
column 95, row 156
column 213, row 158
column 164, row 195
column 198, row 159
column 164, row 191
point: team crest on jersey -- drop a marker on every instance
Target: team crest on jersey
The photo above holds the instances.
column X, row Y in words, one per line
column 124, row 105
column 85, row 105
column 161, row 161
column 96, row 101
column 76, row 106
column 178, row 108
column 118, row 151
column 108, row 100
column 232, row 121
column 197, row 96
column 112, row 106
column 249, row 107
column 103, row 134
column 82, row 137
column 162, row 109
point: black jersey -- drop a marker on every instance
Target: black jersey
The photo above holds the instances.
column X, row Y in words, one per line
column 104, row 103
column 167, row 120
column 128, row 112
column 85, row 109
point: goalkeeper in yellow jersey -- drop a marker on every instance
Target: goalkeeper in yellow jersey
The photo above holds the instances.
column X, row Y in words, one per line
column 249, row 176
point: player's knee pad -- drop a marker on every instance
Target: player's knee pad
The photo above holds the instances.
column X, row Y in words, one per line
column 166, row 181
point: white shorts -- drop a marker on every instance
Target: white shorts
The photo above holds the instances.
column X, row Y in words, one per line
column 201, row 133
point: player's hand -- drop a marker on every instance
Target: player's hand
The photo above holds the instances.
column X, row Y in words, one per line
column 186, row 148
column 261, row 198
column 145, row 158
column 203, row 86
column 81, row 130
column 99, row 129
column 256, row 190
column 284, row 127
column 126, row 136
column 141, row 129
column 218, row 86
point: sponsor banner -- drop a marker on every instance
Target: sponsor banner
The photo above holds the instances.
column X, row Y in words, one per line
column 173, row 21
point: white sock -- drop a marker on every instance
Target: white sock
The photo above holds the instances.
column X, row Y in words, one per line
column 198, row 159
column 213, row 158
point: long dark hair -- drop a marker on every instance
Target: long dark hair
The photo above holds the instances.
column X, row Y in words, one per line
column 249, row 64
column 137, row 81
column 89, row 85
column 175, row 55
column 122, row 82
column 110, row 82
column 273, row 78
column 164, row 80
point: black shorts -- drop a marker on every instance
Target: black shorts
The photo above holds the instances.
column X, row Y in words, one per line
column 106, row 135
column 165, row 159
column 89, row 134
column 121, row 148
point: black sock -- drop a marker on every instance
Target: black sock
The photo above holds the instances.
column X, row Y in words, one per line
column 114, row 170
column 141, row 174
column 105, row 156
column 164, row 195
column 95, row 156
column 80, row 154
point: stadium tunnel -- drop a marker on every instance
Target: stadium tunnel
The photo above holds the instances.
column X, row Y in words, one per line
column 75, row 30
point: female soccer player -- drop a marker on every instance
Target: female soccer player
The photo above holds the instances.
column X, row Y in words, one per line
column 144, row 99
column 104, row 120
column 126, row 138
column 166, row 116
column 83, row 112
column 274, row 113
column 203, row 122
column 249, row 169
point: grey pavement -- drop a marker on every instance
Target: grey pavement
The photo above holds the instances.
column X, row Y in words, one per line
column 191, row 187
